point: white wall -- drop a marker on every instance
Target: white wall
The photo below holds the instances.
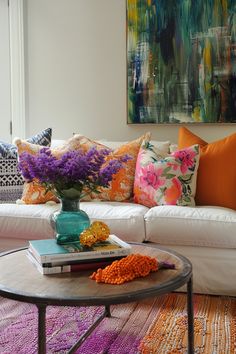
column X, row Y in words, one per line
column 5, row 96
column 76, row 72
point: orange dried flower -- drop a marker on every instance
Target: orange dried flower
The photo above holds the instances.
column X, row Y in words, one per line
column 126, row 269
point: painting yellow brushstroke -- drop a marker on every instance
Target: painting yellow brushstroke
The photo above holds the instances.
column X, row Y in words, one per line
column 196, row 115
column 207, row 56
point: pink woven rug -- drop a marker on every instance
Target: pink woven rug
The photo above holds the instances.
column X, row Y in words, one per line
column 153, row 326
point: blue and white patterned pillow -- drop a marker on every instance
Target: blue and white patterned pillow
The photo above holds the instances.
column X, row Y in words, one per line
column 11, row 181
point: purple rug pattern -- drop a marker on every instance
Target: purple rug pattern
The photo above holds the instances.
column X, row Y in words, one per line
column 115, row 335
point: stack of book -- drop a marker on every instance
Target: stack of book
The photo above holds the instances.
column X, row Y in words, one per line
column 50, row 258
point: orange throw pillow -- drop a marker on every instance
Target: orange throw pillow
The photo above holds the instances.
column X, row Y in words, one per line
column 216, row 179
column 33, row 192
column 121, row 187
column 187, row 138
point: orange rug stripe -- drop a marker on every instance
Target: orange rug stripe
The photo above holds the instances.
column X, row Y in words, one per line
column 214, row 325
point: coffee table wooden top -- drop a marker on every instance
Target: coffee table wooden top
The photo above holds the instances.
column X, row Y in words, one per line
column 20, row 280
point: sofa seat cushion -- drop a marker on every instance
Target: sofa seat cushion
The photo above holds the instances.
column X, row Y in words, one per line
column 191, row 226
column 126, row 220
column 26, row 221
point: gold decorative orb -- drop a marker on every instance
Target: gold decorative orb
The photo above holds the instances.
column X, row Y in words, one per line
column 87, row 238
column 100, row 229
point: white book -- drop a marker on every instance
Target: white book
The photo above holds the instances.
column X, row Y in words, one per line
column 48, row 270
column 49, row 251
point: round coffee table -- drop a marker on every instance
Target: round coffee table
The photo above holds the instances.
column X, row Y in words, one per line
column 21, row 281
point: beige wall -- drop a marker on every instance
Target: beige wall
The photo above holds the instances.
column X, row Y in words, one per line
column 76, row 72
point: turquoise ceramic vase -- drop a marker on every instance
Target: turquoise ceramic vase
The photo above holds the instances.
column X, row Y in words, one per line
column 69, row 222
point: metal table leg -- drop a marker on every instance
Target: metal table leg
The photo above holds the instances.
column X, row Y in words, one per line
column 41, row 329
column 106, row 313
column 190, row 316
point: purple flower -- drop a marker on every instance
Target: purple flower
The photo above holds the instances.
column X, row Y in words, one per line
column 78, row 171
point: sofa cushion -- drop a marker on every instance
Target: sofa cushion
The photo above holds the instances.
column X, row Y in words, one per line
column 34, row 192
column 121, row 186
column 169, row 180
column 187, row 138
column 26, row 222
column 199, row 226
column 11, row 180
column 126, row 220
column 217, row 169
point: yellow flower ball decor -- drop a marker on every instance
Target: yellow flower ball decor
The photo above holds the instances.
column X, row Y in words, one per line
column 98, row 231
column 87, row 238
column 101, row 230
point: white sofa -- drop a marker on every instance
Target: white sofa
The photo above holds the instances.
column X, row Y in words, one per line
column 206, row 235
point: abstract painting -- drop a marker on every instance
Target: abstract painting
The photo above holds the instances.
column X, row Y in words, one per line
column 181, row 61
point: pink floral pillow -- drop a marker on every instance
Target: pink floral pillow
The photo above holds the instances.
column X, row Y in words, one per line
column 167, row 180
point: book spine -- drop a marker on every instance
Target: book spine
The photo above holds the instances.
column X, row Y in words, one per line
column 75, row 267
column 67, row 267
column 47, row 270
column 82, row 255
column 55, row 270
column 83, row 261
column 71, row 268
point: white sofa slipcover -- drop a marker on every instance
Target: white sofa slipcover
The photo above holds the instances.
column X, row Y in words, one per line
column 205, row 235
column 209, row 240
column 199, row 226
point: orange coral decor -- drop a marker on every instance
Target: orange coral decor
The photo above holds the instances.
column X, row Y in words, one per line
column 128, row 268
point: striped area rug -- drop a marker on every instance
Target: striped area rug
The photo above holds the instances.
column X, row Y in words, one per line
column 152, row 326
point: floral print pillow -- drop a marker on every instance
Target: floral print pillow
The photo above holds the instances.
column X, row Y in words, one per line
column 167, row 180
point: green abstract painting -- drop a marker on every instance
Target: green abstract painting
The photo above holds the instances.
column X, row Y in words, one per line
column 181, row 61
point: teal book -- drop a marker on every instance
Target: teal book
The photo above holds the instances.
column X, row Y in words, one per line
column 49, row 251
